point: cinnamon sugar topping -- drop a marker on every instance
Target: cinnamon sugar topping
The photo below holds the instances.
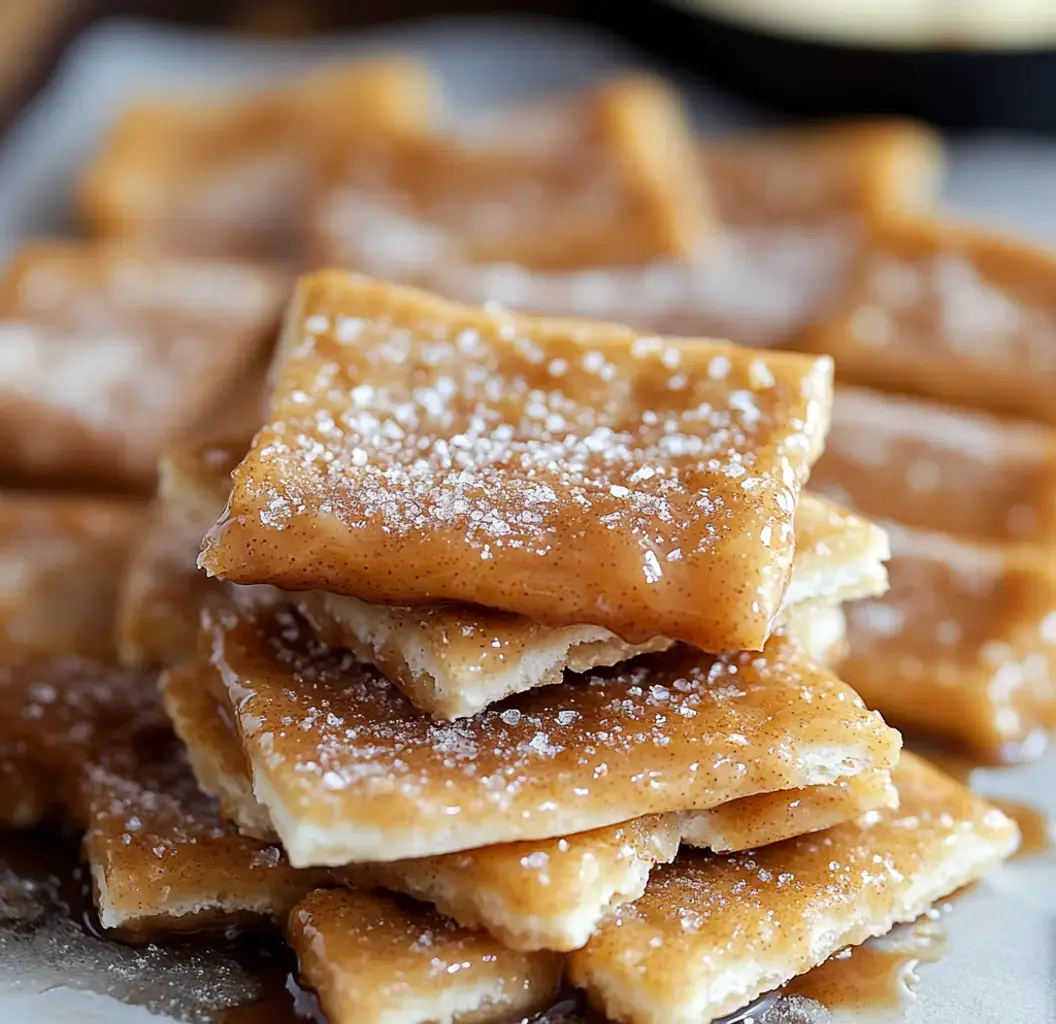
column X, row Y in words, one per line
column 350, row 771
column 420, row 451
column 712, row 933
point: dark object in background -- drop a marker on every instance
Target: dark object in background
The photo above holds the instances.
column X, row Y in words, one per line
column 801, row 75
column 1012, row 88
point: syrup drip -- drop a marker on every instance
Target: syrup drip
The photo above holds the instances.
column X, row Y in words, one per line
column 1033, row 826
column 879, row 975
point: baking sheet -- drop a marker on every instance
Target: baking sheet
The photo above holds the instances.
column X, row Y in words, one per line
column 1001, row 963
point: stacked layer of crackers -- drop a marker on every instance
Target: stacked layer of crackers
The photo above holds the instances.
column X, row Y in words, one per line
column 390, row 552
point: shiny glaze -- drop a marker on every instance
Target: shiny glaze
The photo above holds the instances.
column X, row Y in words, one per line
column 371, row 956
column 571, row 473
column 450, row 661
column 711, row 933
column 354, row 772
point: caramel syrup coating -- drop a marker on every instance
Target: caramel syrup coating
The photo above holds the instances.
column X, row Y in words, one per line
column 712, row 933
column 375, row 958
column 350, row 771
column 420, row 451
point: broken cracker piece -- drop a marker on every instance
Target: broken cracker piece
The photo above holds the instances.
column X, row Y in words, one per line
column 964, row 642
column 710, row 934
column 454, row 662
column 373, row 959
column 350, row 771
column 575, row 473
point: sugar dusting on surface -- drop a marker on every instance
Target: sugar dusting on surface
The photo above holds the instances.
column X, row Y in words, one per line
column 449, row 445
column 777, row 910
column 501, row 452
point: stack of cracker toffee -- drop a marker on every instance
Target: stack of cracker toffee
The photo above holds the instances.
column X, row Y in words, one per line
column 490, row 652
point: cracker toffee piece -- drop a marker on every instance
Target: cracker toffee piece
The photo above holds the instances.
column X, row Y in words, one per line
column 62, row 560
column 106, row 355
column 807, row 176
column 538, row 894
column 163, row 860
column 374, row 959
column 927, row 465
column 92, row 741
column 163, row 592
column 791, row 206
column 949, row 312
column 712, row 933
column 420, row 451
column 605, row 176
column 454, row 661
column 349, row 771
column 755, row 821
column 964, row 642
column 448, row 661
column 231, row 177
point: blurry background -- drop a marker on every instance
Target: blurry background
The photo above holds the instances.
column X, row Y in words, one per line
column 970, row 63
column 68, row 68
column 987, row 66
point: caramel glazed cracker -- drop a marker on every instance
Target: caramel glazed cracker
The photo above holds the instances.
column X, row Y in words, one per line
column 450, row 662
column 420, row 451
column 545, row 894
column 365, row 776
